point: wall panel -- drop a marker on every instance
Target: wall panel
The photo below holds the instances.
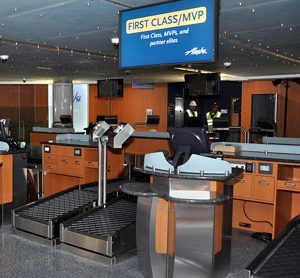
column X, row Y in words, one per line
column 131, row 108
column 265, row 86
column 26, row 106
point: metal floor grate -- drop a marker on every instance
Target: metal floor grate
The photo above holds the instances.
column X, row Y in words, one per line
column 58, row 206
column 106, row 221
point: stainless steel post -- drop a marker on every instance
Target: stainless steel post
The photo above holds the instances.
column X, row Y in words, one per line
column 100, row 198
column 104, row 170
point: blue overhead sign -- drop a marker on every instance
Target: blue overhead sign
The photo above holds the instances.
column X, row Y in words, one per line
column 170, row 33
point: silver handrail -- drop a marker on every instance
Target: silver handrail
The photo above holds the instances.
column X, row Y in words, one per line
column 244, row 131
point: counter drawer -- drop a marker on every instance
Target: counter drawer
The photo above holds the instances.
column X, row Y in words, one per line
column 91, row 164
column 50, row 167
column 243, row 187
column 50, row 159
column 264, row 189
column 293, row 185
column 71, row 166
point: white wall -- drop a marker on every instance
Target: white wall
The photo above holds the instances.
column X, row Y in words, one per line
column 80, row 106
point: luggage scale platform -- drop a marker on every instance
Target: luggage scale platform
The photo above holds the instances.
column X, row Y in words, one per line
column 42, row 217
column 104, row 233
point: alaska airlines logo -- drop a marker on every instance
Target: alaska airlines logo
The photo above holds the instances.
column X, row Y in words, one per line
column 196, row 51
column 77, row 97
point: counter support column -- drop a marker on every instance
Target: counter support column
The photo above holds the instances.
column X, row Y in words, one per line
column 194, row 238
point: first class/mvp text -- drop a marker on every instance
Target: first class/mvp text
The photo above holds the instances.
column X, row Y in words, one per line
column 166, row 20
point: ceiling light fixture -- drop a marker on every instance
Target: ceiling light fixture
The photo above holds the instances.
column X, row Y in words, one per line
column 227, row 64
column 115, row 41
column 4, row 58
column 187, row 69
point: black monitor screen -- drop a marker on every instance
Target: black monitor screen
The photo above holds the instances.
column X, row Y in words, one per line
column 202, row 84
column 65, row 119
column 110, row 88
column 221, row 122
column 195, row 138
column 2, row 132
column 152, row 119
column 109, row 119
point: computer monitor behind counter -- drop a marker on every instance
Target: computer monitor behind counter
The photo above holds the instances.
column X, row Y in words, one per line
column 109, row 119
column 192, row 122
column 3, row 137
column 221, row 123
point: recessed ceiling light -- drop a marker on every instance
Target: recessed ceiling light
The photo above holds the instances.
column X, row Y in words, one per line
column 227, row 64
column 44, row 68
column 115, row 41
column 4, row 58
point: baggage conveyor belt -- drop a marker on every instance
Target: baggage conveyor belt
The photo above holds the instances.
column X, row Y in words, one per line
column 107, row 232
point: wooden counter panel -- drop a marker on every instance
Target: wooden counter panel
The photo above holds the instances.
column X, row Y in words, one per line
column 295, row 206
column 115, row 163
column 256, row 212
column 6, row 179
column 161, row 227
column 54, row 183
column 62, row 150
column 36, row 138
column 90, row 175
column 90, row 154
column 283, row 210
column 143, row 146
column 287, row 207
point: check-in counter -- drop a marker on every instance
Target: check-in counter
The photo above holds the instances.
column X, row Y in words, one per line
column 69, row 163
column 184, row 217
column 13, row 181
column 267, row 197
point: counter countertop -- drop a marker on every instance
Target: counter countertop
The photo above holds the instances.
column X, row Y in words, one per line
column 22, row 151
column 145, row 190
column 235, row 172
column 151, row 135
column 73, row 143
column 38, row 129
column 276, row 157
